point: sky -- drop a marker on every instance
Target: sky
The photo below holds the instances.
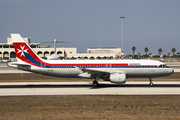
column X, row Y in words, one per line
column 95, row 23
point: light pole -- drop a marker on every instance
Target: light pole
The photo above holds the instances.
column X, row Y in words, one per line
column 54, row 46
column 122, row 17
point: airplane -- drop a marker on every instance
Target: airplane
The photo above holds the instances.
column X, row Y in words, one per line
column 115, row 71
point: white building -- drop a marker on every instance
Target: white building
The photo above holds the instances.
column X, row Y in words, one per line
column 7, row 51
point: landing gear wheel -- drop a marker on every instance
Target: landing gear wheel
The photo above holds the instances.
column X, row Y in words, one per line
column 95, row 83
column 151, row 84
column 150, row 80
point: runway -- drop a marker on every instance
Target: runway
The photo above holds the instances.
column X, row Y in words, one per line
column 86, row 88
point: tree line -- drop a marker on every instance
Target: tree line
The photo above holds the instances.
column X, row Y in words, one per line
column 159, row 50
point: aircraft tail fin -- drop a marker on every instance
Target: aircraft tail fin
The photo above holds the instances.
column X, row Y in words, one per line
column 24, row 52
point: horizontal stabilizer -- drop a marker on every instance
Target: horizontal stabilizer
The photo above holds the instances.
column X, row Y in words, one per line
column 17, row 63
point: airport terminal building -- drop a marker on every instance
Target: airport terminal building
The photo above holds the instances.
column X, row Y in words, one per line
column 7, row 51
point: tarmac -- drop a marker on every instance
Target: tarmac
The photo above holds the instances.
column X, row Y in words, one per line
column 86, row 88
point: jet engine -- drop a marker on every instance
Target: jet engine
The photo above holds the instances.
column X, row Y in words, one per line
column 117, row 78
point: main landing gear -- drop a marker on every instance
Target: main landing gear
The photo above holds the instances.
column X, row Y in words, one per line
column 95, row 82
column 150, row 80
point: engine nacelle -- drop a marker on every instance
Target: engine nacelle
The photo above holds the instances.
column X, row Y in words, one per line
column 118, row 78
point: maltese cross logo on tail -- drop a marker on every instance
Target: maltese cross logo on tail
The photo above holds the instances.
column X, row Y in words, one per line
column 22, row 50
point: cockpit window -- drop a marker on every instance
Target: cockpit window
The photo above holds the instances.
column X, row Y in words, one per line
column 163, row 65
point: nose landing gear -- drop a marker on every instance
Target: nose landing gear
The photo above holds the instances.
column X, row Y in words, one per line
column 150, row 80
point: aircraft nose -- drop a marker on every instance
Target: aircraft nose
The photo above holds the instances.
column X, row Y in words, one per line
column 172, row 71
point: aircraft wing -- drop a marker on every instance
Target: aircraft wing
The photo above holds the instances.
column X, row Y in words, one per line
column 94, row 72
column 89, row 72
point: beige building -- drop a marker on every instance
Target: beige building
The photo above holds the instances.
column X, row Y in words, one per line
column 99, row 53
column 7, row 51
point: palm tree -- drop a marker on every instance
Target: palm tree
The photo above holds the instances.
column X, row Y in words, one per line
column 146, row 50
column 133, row 49
column 169, row 54
column 173, row 50
column 160, row 51
column 178, row 54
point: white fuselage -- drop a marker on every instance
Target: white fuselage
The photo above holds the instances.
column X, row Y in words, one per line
column 132, row 68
